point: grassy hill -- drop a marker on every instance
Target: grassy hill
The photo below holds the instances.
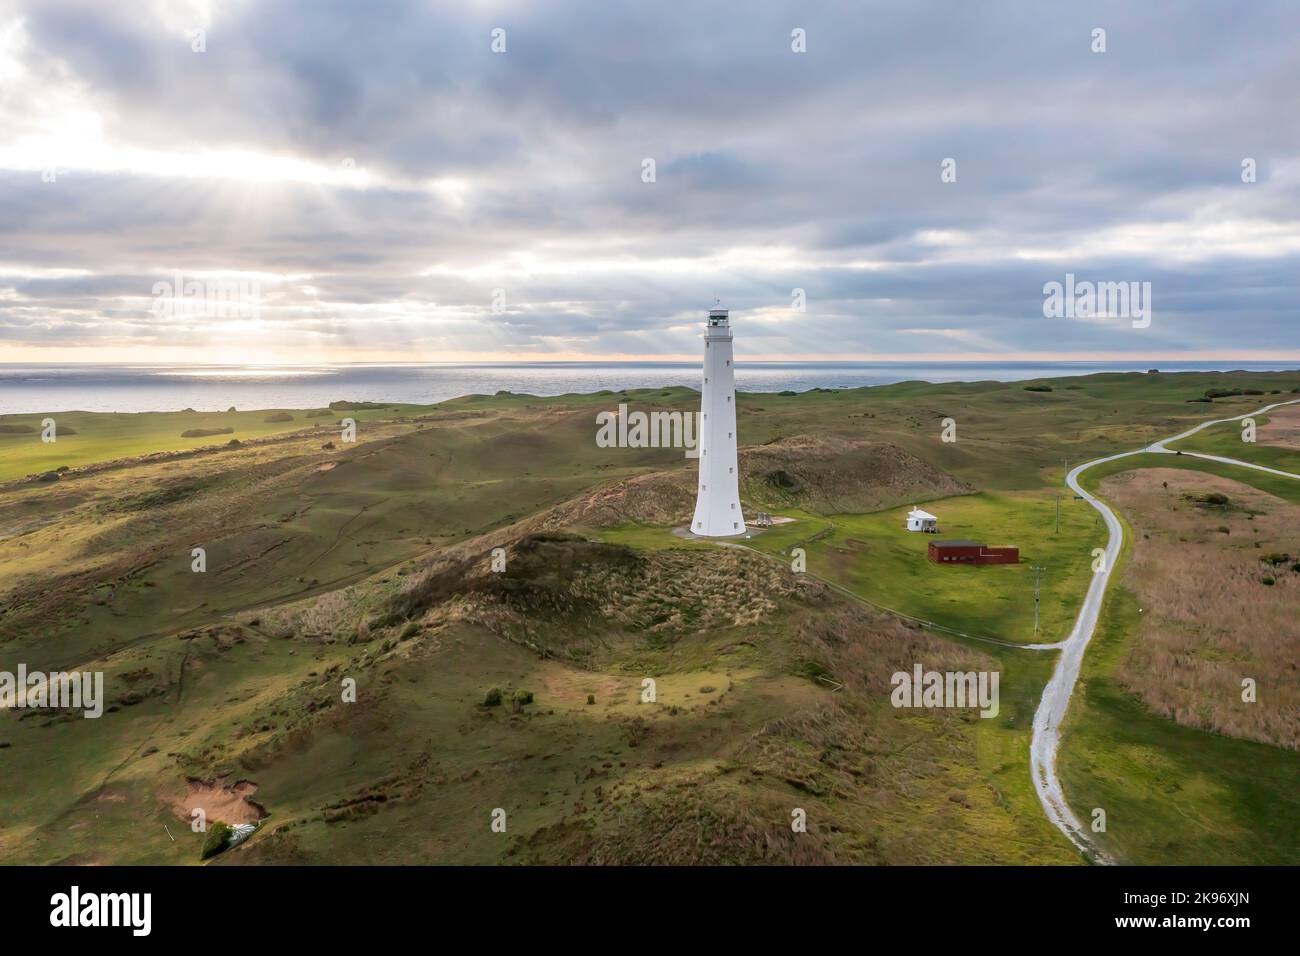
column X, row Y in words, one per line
column 371, row 562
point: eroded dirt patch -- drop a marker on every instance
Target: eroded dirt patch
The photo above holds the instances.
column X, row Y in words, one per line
column 229, row 804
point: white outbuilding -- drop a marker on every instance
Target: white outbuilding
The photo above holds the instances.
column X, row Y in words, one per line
column 918, row 520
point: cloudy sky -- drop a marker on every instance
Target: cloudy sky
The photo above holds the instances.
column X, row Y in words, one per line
column 387, row 186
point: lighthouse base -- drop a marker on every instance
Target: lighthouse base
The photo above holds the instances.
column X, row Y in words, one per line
column 687, row 533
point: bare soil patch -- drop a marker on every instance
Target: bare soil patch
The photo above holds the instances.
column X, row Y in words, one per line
column 228, row 804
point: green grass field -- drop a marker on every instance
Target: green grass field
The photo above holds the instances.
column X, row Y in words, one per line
column 874, row 556
column 1172, row 794
column 104, row 436
column 1226, row 441
column 1274, row 484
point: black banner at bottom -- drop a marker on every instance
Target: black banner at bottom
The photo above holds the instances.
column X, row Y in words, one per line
column 1221, row 907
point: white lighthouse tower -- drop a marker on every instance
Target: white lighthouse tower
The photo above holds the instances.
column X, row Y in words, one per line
column 717, row 502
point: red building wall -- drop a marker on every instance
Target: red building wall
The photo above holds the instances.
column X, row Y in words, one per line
column 945, row 554
column 1000, row 555
column 972, row 554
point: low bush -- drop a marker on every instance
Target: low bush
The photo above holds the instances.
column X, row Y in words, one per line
column 217, row 841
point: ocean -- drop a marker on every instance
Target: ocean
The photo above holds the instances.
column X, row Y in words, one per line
column 141, row 388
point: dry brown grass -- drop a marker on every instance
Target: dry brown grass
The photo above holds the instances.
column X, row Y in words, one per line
column 829, row 475
column 820, row 474
column 665, row 497
column 1283, row 428
column 1209, row 620
column 568, row 596
column 874, row 781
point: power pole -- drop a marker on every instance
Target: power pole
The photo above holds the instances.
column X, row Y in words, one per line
column 1038, row 570
column 1058, row 514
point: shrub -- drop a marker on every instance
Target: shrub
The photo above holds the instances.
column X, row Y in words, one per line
column 523, row 697
column 1038, row 388
column 492, row 698
column 218, row 840
column 278, row 417
column 591, row 698
column 205, row 432
column 1270, row 581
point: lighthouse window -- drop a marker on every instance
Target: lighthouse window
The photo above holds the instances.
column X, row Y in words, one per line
column 734, row 525
column 728, row 398
column 729, row 435
column 733, row 506
column 704, row 487
column 731, row 471
column 728, row 361
column 706, row 380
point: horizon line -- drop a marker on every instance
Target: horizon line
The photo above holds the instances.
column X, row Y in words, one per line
column 1018, row 358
